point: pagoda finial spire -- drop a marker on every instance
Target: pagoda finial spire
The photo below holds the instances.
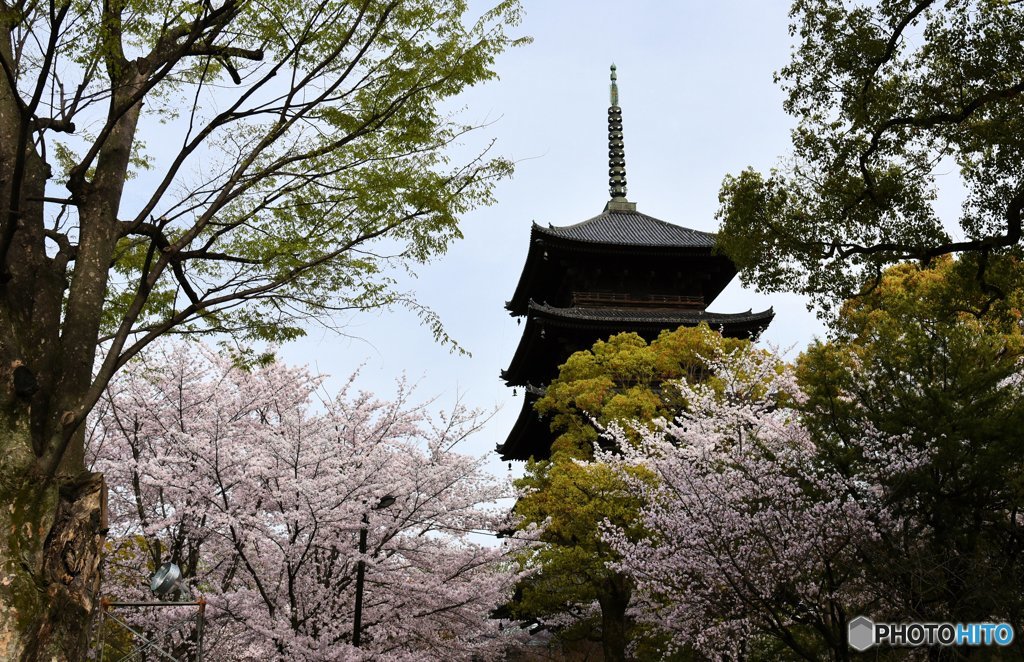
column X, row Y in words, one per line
column 616, row 153
column 614, row 89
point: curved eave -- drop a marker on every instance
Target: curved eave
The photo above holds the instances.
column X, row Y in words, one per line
column 531, row 343
column 593, row 324
column 527, row 277
column 529, row 437
column 598, row 317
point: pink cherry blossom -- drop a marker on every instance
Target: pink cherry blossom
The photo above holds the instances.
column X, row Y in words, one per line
column 748, row 535
column 258, row 490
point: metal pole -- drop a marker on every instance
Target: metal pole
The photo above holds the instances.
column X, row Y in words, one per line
column 104, row 606
column 357, row 622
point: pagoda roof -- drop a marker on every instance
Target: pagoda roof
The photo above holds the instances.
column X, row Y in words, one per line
column 628, row 228
column 537, row 356
column 647, row 315
column 530, row 436
column 619, row 271
column 614, row 235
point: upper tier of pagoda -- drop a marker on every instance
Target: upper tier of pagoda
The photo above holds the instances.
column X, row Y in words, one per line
column 565, row 260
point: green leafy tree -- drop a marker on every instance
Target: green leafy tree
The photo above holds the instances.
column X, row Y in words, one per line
column 889, row 97
column 916, row 361
column 297, row 156
column 623, row 381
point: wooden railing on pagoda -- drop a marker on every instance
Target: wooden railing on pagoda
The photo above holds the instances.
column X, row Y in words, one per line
column 625, row 299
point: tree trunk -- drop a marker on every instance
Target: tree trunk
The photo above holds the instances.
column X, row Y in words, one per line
column 53, row 534
column 52, row 510
column 614, row 601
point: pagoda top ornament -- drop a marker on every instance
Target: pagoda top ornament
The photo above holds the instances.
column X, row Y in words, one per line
column 616, row 153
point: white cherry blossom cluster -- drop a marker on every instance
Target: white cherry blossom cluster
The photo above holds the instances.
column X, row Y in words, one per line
column 259, row 490
column 748, row 532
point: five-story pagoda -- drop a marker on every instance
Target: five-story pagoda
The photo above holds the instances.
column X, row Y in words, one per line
column 619, row 271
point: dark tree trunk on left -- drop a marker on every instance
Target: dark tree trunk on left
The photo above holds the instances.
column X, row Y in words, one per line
column 53, row 514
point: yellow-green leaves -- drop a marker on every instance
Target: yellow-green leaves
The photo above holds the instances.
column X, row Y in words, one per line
column 625, row 380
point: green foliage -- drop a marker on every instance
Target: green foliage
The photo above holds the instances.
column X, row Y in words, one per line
column 576, row 498
column 916, row 359
column 624, row 381
column 888, row 98
column 320, row 193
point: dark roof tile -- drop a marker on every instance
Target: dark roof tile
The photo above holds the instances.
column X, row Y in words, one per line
column 630, row 228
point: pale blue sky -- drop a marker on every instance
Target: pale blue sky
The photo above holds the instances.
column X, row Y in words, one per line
column 698, row 99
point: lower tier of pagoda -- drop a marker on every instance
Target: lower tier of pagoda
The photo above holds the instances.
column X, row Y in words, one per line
column 553, row 334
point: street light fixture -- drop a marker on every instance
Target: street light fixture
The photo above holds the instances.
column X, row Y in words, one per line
column 163, row 583
column 165, row 579
column 357, row 622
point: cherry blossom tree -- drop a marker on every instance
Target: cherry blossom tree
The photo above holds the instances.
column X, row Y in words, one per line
column 574, row 592
column 881, row 476
column 260, row 498
column 752, row 544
